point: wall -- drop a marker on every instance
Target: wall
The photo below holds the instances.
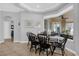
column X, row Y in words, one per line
column 74, row 44
column 76, row 28
column 1, row 27
column 36, row 21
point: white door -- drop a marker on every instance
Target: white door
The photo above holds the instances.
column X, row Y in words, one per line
column 7, row 31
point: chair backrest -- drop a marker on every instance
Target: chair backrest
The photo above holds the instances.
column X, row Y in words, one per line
column 43, row 33
column 65, row 38
column 54, row 34
column 30, row 35
column 42, row 39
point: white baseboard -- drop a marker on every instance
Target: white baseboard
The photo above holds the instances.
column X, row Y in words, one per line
column 72, row 51
column 1, row 41
column 21, row 41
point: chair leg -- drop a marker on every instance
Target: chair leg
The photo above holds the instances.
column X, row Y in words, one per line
column 39, row 50
column 53, row 50
column 63, row 52
column 31, row 47
column 35, row 49
column 47, row 52
column 50, row 49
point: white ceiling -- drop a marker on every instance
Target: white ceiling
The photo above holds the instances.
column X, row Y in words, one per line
column 10, row 7
column 32, row 7
column 40, row 7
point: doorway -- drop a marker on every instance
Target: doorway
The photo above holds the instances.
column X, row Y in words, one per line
column 8, row 31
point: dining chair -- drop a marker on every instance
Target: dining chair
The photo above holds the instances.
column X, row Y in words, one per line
column 44, row 45
column 28, row 33
column 60, row 45
column 34, row 41
column 29, row 39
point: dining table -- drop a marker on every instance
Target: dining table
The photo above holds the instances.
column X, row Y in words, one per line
column 58, row 39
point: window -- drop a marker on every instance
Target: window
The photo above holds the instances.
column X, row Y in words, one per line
column 56, row 27
column 69, row 27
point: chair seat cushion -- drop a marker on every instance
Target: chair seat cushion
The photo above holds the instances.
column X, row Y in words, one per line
column 57, row 44
column 35, row 43
column 45, row 46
